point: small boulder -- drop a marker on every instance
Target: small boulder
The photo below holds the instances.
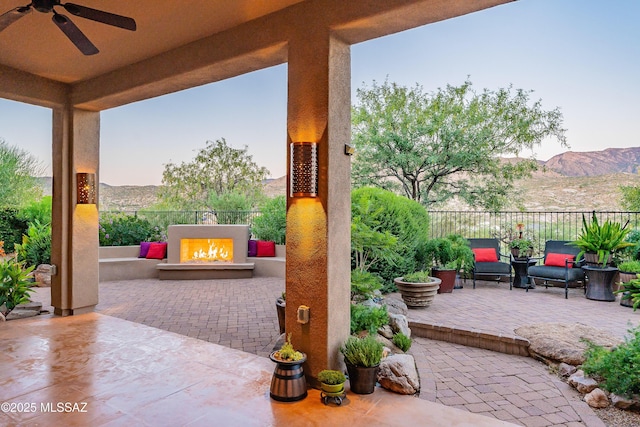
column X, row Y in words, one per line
column 21, row 314
column 2, row 319
column 399, row 323
column 597, row 398
column 386, row 331
column 31, row 305
column 398, row 373
column 389, row 346
column 581, row 383
column 42, row 275
column 622, row 402
column 396, row 306
column 566, row 370
column 562, row 342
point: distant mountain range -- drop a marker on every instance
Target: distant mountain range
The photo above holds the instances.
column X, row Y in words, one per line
column 609, row 168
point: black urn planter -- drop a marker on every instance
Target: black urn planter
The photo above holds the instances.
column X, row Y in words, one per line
column 362, row 380
column 281, row 308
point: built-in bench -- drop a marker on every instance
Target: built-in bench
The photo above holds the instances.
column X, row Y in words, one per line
column 270, row 266
column 122, row 263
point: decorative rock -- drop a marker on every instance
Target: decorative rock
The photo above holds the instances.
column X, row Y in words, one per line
column 2, row 319
column 386, row 331
column 369, row 303
column 398, row 373
column 396, row 306
column 389, row 346
column 622, row 402
column 399, row 323
column 561, row 342
column 566, row 370
column 42, row 275
column 597, row 399
column 21, row 314
column 31, row 305
column 581, row 383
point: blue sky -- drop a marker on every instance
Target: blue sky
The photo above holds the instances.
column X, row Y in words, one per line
column 580, row 55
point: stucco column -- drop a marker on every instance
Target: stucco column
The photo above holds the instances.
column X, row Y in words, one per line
column 318, row 229
column 74, row 240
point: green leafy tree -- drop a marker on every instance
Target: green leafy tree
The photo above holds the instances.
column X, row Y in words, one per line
column 437, row 146
column 18, row 171
column 216, row 170
column 272, row 222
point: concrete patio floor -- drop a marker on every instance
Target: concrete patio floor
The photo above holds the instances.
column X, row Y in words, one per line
column 241, row 314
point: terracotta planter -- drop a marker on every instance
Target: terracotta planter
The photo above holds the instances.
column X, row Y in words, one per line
column 447, row 278
column 625, row 300
column 417, row 295
column 517, row 254
column 591, row 258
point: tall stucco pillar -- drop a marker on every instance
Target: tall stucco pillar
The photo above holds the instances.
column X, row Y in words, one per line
column 318, row 228
column 74, row 240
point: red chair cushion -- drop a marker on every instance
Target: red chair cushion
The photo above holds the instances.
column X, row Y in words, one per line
column 485, row 254
column 558, row 260
column 266, row 248
column 157, row 250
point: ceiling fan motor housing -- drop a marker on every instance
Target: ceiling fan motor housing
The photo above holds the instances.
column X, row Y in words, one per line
column 44, row 6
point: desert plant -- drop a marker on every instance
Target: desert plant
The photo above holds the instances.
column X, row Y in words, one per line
column 365, row 352
column 421, row 276
column 631, row 290
column 272, row 222
column 15, row 283
column 438, row 252
column 287, row 352
column 462, row 253
column 402, row 341
column 365, row 318
column 35, row 248
column 331, row 377
column 364, row 285
column 126, row 230
column 602, row 239
column 616, row 370
column 629, row 266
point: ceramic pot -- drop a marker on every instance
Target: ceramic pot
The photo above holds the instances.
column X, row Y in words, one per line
column 417, row 295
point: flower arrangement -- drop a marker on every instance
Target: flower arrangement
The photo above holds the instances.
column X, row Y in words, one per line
column 287, row 353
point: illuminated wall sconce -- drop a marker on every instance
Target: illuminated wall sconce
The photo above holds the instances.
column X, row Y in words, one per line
column 86, row 188
column 304, row 169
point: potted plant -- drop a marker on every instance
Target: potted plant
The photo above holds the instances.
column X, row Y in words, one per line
column 630, row 293
column 332, row 381
column 629, row 270
column 417, row 289
column 597, row 243
column 288, row 383
column 362, row 357
column 462, row 256
column 521, row 248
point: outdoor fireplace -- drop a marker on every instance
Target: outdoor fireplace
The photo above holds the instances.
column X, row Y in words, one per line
column 206, row 252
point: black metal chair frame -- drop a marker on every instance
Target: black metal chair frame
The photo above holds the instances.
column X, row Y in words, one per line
column 495, row 244
column 566, row 281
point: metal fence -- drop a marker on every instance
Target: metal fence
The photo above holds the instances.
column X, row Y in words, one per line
column 163, row 219
column 537, row 226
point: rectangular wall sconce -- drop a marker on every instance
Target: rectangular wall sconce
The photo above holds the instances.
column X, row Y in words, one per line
column 86, row 188
column 304, row 169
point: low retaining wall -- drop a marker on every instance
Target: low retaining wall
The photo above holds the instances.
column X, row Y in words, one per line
column 122, row 263
column 270, row 266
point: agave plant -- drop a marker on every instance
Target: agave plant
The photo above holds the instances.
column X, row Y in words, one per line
column 601, row 239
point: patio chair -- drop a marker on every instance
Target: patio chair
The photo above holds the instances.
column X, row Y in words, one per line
column 487, row 256
column 559, row 266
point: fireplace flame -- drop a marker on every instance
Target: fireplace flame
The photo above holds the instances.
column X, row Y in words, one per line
column 206, row 250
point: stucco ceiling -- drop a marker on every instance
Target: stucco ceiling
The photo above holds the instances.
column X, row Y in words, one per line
column 36, row 45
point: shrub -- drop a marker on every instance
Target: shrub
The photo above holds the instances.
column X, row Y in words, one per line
column 331, row 377
column 12, row 227
column 617, row 370
column 365, row 318
column 364, row 285
column 39, row 210
column 630, row 266
column 421, row 276
column 405, row 219
column 402, row 341
column 36, row 244
column 271, row 224
column 126, row 230
column 15, row 286
column 365, row 352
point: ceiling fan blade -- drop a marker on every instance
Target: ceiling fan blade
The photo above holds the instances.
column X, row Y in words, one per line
column 13, row 15
column 75, row 35
column 101, row 16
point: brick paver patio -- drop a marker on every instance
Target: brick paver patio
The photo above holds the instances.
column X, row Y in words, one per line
column 241, row 314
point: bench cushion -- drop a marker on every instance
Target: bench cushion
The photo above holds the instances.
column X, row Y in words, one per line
column 555, row 273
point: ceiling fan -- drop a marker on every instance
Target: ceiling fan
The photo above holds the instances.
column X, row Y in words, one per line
column 65, row 24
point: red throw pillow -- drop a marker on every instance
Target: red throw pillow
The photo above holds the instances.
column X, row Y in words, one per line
column 485, row 254
column 266, row 248
column 157, row 250
column 558, row 260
